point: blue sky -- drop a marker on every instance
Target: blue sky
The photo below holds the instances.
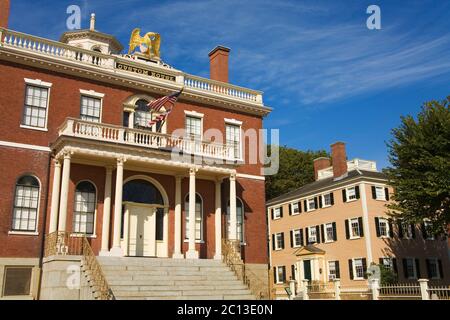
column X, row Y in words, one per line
column 326, row 76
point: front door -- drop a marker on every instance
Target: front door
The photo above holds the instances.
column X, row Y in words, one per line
column 307, row 270
column 142, row 231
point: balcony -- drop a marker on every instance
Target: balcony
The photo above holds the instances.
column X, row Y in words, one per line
column 108, row 133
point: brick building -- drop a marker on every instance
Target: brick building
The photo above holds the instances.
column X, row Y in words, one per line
column 78, row 155
column 337, row 226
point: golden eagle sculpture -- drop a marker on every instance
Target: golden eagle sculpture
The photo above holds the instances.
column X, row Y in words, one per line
column 149, row 44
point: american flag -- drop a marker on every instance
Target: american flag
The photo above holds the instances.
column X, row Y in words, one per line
column 157, row 104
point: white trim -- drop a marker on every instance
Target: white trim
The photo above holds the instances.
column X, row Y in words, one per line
column 353, row 237
column 186, row 216
column 24, row 146
column 23, row 126
column 38, row 208
column 23, row 233
column 92, row 93
column 366, row 226
column 308, row 209
column 194, row 114
column 388, row 228
column 92, row 96
column 293, row 238
column 325, row 233
column 38, row 82
column 323, row 200
column 354, row 269
column 279, row 216
column 233, row 122
column 250, row 176
column 292, row 208
column 94, row 226
column 276, row 241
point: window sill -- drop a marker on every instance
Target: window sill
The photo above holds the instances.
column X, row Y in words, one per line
column 92, row 236
column 311, row 210
column 355, row 238
column 381, row 200
column 23, row 233
column 359, row 279
column 196, row 241
column 277, row 249
column 33, row 128
column 329, row 241
column 327, row 206
column 276, row 218
column 351, row 200
column 295, row 214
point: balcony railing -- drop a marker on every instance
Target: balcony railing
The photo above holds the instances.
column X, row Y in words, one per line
column 143, row 138
column 61, row 51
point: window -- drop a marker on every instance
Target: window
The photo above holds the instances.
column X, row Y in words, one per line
column 326, row 198
column 311, row 204
column 387, row 263
column 329, row 232
column 383, row 227
column 433, row 267
column 90, row 108
column 142, row 114
column 351, row 194
column 355, row 228
column 278, row 239
column 427, row 230
column 406, row 230
column 295, row 208
column 280, row 274
column 277, row 213
column 333, row 270
column 297, row 238
column 194, row 127
column 198, row 217
column 26, row 201
column 312, row 234
column 410, row 267
column 17, row 281
column 233, row 139
column 239, row 219
column 35, row 111
column 380, row 193
column 358, row 269
column 84, row 211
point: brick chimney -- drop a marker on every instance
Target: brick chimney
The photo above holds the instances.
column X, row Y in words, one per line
column 218, row 63
column 319, row 164
column 339, row 157
column 4, row 13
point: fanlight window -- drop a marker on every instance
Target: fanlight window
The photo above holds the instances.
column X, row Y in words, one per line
column 84, row 211
column 26, row 202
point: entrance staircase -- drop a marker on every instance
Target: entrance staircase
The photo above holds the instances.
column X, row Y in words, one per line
column 172, row 279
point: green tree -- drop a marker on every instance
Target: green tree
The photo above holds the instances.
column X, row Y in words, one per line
column 295, row 170
column 420, row 173
column 387, row 275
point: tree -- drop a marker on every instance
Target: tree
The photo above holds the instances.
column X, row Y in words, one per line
column 295, row 170
column 420, row 173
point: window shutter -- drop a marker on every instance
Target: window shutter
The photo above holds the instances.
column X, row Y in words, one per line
column 299, row 207
column 441, row 270
column 364, row 263
column 282, row 240
column 332, row 198
column 305, row 206
column 301, row 238
column 400, row 229
column 293, row 271
column 374, row 192
column 291, row 235
column 334, row 232
column 322, row 229
column 380, row 261
column 318, row 234
column 350, row 268
column 320, row 202
column 361, row 227
column 344, row 195
column 275, row 275
column 281, row 212
column 290, row 209
column 405, row 268
column 394, row 265
column 284, row 273
column 377, row 226
column 271, row 212
column 386, row 193
column 357, row 192
column 418, row 268
column 307, row 236
column 347, row 229
column 316, row 204
column 338, row 271
column 424, row 231
column 273, row 242
column 391, row 228
column 428, row 262
column 413, row 230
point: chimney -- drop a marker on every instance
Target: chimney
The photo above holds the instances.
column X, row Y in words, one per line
column 319, row 164
column 339, row 157
column 218, row 63
column 92, row 25
column 4, row 13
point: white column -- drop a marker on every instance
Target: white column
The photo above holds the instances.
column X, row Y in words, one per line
column 218, row 221
column 106, row 213
column 233, row 215
column 64, row 193
column 55, row 197
column 367, row 233
column 116, row 249
column 177, row 247
column 192, row 253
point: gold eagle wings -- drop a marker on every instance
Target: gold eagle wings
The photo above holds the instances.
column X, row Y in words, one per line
column 151, row 40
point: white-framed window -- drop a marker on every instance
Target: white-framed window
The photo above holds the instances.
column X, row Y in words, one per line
column 90, row 108
column 312, row 234
column 194, row 127
column 279, row 241
column 333, row 270
column 280, row 274
column 35, row 107
column 380, row 193
column 84, row 208
column 351, row 194
column 239, row 219
column 427, row 229
column 277, row 213
column 326, row 200
column 411, row 271
column 142, row 114
column 433, row 268
column 329, row 232
column 295, row 209
column 407, row 230
column 311, row 204
column 233, row 139
column 383, row 227
column 297, row 238
column 26, row 203
column 198, row 217
column 387, row 262
column 355, row 228
column 358, row 269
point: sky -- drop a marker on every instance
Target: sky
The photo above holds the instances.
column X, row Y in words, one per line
column 327, row 76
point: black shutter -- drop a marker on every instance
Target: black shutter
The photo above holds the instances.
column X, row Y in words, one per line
column 428, row 262
column 338, row 271
column 424, row 231
column 274, row 275
column 350, row 268
column 441, row 270
column 290, row 209
column 273, row 242
column 282, row 240
column 377, row 226
column 334, row 232
column 361, row 227
column 394, row 265
column 291, row 235
column 357, row 192
column 400, row 228
column 271, row 213
column 380, row 261
column 364, row 264
column 391, row 228
column 306, row 236
column 332, row 198
column 305, row 206
column 281, row 212
column 347, row 230
column 418, row 268
column 413, row 230
column 318, row 234
column 293, row 271
column 405, row 268
column 320, row 202
column 386, row 193
column 316, row 204
column 284, row 273
column 344, row 195
column 299, row 207
column 301, row 238
column 374, row 192
column 322, row 229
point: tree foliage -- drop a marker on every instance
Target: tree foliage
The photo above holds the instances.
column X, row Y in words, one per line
column 295, row 170
column 419, row 154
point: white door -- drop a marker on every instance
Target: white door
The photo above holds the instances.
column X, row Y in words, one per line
column 142, row 232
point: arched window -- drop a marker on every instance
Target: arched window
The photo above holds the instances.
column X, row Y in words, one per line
column 198, row 217
column 84, row 211
column 142, row 115
column 26, row 201
column 239, row 219
column 141, row 191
